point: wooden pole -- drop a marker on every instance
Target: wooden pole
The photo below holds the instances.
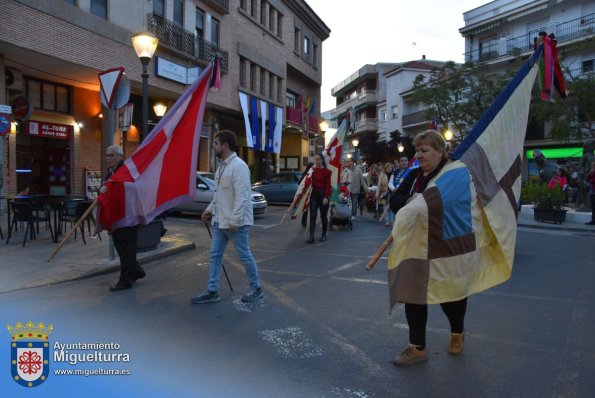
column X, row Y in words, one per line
column 73, row 229
column 379, row 253
column 285, row 215
column 384, row 212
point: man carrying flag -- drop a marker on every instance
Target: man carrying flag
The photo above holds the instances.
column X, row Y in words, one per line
column 158, row 175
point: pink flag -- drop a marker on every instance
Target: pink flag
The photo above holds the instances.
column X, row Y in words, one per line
column 161, row 173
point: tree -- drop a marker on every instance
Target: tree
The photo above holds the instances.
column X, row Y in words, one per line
column 374, row 150
column 458, row 95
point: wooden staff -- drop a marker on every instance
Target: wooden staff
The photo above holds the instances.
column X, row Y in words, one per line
column 285, row 215
column 386, row 206
column 73, row 229
column 379, row 253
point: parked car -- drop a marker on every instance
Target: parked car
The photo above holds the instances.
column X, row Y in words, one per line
column 205, row 189
column 280, row 187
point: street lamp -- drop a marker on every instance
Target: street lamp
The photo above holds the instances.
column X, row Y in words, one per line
column 355, row 143
column 159, row 109
column 145, row 44
column 448, row 135
column 400, row 147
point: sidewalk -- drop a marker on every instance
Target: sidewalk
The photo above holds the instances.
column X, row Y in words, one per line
column 27, row 267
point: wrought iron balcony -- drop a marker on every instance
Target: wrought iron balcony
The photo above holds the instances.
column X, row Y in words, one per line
column 565, row 31
column 174, row 36
column 220, row 5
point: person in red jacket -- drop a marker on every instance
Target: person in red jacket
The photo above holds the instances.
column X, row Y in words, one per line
column 558, row 179
column 321, row 192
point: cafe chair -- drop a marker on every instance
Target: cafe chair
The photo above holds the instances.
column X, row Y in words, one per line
column 22, row 212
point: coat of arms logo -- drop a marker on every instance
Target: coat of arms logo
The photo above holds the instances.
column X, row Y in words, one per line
column 29, row 348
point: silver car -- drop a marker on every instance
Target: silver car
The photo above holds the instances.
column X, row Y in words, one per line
column 205, row 189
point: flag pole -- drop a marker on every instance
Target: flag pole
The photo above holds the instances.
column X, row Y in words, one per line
column 222, row 266
column 379, row 253
column 285, row 215
column 73, row 229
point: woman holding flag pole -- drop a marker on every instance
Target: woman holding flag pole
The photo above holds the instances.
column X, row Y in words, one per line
column 321, row 192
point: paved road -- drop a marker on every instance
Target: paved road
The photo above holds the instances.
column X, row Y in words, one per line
column 324, row 329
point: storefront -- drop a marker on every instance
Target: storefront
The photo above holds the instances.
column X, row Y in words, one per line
column 43, row 159
column 560, row 156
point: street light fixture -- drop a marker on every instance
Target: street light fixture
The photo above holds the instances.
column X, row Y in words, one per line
column 159, row 109
column 355, row 143
column 400, row 147
column 448, row 135
column 145, row 44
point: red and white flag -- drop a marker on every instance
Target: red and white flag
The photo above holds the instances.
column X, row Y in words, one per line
column 161, row 173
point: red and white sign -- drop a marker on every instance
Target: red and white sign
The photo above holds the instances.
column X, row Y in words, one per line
column 48, row 130
column 108, row 81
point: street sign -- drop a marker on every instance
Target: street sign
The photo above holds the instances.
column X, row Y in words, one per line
column 5, row 109
column 121, row 96
column 108, row 81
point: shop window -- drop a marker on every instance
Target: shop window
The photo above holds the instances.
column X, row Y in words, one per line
column 99, row 8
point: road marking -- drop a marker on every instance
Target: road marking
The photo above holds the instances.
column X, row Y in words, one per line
column 291, row 342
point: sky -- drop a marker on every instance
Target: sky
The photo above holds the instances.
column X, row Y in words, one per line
column 372, row 31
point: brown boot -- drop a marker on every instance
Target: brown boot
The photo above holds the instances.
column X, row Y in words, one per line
column 455, row 347
column 410, row 356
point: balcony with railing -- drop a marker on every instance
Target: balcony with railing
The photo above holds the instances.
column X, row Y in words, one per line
column 175, row 37
column 415, row 118
column 366, row 125
column 300, row 120
column 361, row 98
column 566, row 31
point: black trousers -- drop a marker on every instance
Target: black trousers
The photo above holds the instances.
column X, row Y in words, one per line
column 417, row 317
column 126, row 243
column 316, row 199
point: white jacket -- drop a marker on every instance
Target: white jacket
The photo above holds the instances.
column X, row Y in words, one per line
column 232, row 203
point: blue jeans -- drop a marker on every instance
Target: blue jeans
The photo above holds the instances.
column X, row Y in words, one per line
column 240, row 241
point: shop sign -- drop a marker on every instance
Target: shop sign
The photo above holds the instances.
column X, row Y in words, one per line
column 48, row 130
column 5, row 112
column 169, row 70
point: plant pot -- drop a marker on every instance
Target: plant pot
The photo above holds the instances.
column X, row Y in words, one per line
column 149, row 236
column 549, row 215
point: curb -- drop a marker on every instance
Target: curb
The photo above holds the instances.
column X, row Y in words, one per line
column 558, row 228
column 113, row 266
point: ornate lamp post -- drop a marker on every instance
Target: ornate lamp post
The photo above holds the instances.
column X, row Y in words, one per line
column 145, row 44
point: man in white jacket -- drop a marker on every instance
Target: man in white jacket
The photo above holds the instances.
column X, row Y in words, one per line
column 230, row 213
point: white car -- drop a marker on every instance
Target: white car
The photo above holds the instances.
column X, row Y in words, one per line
column 205, row 189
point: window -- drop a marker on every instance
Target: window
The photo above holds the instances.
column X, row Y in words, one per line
column 297, row 40
column 253, row 8
column 291, row 99
column 263, row 81
column 588, row 66
column 73, row 2
column 279, row 89
column 242, row 72
column 272, row 79
column 383, row 115
column 215, row 31
column 314, row 56
column 99, row 8
column 252, row 77
column 279, row 25
column 179, row 12
column 48, row 96
column 395, row 112
column 263, row 12
column 243, row 4
column 307, row 46
column 159, row 7
column 272, row 13
column 200, row 23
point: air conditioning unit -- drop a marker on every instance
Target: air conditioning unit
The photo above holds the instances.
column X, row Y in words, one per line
column 14, row 79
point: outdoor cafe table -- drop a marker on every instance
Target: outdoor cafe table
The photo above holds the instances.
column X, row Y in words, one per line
column 53, row 203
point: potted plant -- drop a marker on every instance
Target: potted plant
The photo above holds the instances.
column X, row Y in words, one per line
column 547, row 204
